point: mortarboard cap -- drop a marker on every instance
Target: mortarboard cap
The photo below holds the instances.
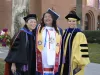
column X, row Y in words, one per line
column 72, row 14
column 30, row 16
column 53, row 13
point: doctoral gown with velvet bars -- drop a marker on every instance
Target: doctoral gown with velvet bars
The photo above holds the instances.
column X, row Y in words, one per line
column 75, row 52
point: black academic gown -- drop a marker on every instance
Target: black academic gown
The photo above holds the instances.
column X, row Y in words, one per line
column 22, row 51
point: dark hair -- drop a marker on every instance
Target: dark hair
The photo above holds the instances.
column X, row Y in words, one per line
column 53, row 23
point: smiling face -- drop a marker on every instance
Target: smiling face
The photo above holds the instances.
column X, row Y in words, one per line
column 31, row 24
column 48, row 19
column 72, row 23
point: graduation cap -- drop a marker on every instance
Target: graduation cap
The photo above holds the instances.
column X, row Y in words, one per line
column 72, row 14
column 53, row 13
column 30, row 16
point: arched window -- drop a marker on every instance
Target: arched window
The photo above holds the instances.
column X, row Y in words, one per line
column 89, row 21
column 98, row 23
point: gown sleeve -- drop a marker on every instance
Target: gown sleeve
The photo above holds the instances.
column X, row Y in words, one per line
column 17, row 46
column 82, row 55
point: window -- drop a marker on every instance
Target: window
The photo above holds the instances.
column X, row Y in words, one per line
column 90, row 3
column 99, row 4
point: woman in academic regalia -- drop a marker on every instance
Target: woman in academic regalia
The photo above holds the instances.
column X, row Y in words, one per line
column 48, row 45
column 21, row 58
column 75, row 48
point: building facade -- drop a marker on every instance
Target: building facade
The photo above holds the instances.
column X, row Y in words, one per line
column 91, row 15
column 90, row 12
column 5, row 13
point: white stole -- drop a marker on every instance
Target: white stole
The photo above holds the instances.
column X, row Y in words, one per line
column 49, row 50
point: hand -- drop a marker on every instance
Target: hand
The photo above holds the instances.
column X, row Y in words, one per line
column 13, row 68
column 80, row 66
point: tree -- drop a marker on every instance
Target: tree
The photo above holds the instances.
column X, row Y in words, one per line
column 20, row 8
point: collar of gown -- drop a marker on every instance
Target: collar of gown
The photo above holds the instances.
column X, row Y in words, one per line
column 71, row 29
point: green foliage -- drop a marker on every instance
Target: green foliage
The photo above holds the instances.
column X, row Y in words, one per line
column 94, row 53
column 1, row 67
column 92, row 36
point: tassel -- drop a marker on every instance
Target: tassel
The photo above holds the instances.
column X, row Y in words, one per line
column 79, row 22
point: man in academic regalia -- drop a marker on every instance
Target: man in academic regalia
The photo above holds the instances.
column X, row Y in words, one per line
column 75, row 48
column 21, row 58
